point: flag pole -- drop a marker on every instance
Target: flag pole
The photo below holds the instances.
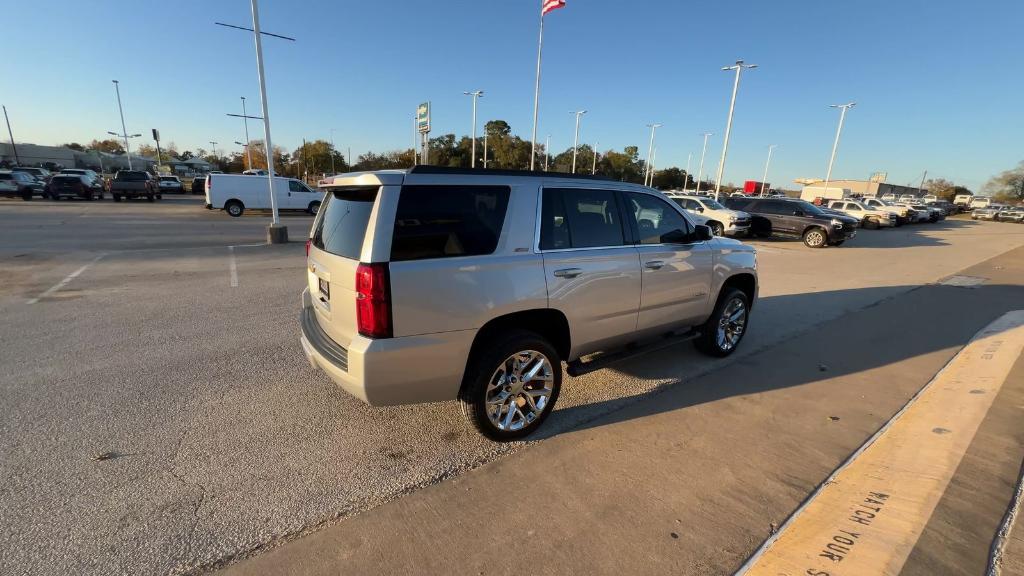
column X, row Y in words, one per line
column 536, row 91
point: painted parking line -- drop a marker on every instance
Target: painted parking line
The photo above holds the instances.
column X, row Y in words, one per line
column 867, row 517
column 52, row 289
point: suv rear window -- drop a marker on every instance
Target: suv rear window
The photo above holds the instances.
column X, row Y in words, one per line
column 344, row 217
column 448, row 221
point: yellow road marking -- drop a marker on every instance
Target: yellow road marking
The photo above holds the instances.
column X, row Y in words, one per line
column 868, row 516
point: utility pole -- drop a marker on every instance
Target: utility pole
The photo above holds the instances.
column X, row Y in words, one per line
column 703, row 152
column 485, row 146
column 17, row 160
column 689, row 157
column 576, row 139
column 124, row 131
column 835, row 145
column 476, row 95
column 593, row 170
column 547, row 153
column 738, row 67
column 650, row 152
column 920, row 189
column 764, row 179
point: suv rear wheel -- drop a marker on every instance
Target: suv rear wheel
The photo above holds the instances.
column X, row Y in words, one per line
column 722, row 333
column 815, row 238
column 511, row 385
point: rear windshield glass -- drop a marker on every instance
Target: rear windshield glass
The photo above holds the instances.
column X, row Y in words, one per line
column 168, row 178
column 448, row 221
column 131, row 176
column 343, row 221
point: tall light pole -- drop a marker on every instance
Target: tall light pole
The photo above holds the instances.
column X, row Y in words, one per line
column 485, row 147
column 593, row 169
column 126, row 137
column 689, row 157
column 547, row 153
column 333, row 172
column 576, row 140
column 654, row 158
column 476, row 95
column 764, row 179
column 739, row 66
column 245, row 122
column 17, row 160
column 650, row 152
column 124, row 131
column 835, row 145
column 703, row 152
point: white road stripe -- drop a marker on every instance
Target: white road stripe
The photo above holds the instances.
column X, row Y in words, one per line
column 233, row 267
column 65, row 281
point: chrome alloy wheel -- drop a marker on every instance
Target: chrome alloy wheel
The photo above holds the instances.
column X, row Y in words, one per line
column 815, row 238
column 731, row 324
column 519, row 390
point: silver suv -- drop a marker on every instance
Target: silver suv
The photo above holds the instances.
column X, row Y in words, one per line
column 438, row 284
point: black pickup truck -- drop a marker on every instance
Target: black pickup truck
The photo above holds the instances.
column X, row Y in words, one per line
column 134, row 184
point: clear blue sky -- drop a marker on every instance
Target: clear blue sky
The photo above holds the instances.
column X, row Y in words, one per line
column 938, row 82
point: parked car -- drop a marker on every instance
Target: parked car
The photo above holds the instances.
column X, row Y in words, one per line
column 19, row 184
column 927, row 213
column 236, row 193
column 199, row 185
column 929, row 198
column 989, row 212
column 1011, row 214
column 134, row 184
column 96, row 181
column 791, row 217
column 168, row 184
column 980, row 202
column 721, row 220
column 41, row 174
column 405, row 267
column 903, row 213
column 869, row 217
column 948, row 208
column 251, row 172
column 907, row 199
column 890, row 197
column 963, row 201
column 70, row 185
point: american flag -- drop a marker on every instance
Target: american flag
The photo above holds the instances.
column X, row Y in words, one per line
column 550, row 5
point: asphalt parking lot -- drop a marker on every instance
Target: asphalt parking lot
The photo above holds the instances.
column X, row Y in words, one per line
column 159, row 415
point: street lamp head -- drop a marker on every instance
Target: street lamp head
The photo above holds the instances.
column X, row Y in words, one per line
column 847, row 105
column 113, row 133
column 135, row 135
column 240, row 143
column 114, row 81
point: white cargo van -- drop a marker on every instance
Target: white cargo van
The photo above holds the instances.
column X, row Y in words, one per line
column 236, row 193
column 810, row 193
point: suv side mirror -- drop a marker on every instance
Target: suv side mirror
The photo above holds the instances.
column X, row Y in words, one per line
column 798, row 212
column 703, row 233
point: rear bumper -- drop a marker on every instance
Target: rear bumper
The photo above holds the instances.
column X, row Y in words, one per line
column 389, row 371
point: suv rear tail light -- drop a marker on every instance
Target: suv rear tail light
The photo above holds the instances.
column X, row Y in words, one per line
column 373, row 300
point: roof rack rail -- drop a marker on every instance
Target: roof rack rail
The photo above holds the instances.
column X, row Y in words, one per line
column 428, row 169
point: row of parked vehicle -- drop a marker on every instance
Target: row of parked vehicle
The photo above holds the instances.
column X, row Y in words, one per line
column 999, row 213
column 820, row 223
column 28, row 182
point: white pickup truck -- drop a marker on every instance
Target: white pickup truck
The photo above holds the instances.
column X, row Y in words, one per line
column 236, row 193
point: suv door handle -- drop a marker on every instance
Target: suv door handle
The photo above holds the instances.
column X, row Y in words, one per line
column 654, row 265
column 568, row 272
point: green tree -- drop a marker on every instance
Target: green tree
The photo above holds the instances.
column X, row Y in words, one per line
column 315, row 158
column 186, row 155
column 1007, row 186
column 109, row 146
column 75, row 146
column 941, row 188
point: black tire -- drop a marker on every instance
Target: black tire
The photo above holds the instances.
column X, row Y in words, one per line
column 149, row 198
column 837, row 243
column 88, row 196
column 117, row 197
column 314, row 207
column 55, row 197
column 716, row 228
column 159, row 196
column 234, row 208
column 494, row 355
column 872, row 224
column 708, row 342
column 26, row 196
column 815, row 237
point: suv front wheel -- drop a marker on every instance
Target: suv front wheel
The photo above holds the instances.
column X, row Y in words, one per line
column 512, row 385
column 722, row 333
column 815, row 238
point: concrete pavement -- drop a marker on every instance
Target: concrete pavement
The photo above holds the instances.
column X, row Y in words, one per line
column 690, row 480
column 225, row 443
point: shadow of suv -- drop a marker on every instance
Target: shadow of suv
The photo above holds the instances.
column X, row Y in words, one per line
column 799, row 218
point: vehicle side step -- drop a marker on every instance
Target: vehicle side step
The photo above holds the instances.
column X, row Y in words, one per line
column 603, row 360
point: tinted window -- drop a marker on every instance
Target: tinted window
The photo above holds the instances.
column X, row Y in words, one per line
column 6, row 177
column 656, row 221
column 342, row 224
column 578, row 218
column 741, row 204
column 296, row 186
column 448, row 221
column 168, row 179
column 131, row 176
column 775, row 207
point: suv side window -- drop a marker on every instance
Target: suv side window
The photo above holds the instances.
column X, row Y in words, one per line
column 448, row 221
column 580, row 218
column 656, row 221
column 296, row 186
column 774, row 207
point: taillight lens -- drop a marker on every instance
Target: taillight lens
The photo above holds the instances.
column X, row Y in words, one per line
column 373, row 300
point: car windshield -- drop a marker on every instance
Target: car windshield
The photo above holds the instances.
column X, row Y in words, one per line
column 808, row 208
column 712, row 204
